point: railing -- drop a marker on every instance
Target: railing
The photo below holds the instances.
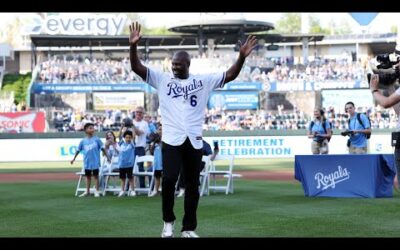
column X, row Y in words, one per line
column 1, row 76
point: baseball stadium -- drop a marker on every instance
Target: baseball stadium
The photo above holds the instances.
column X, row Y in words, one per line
column 238, row 127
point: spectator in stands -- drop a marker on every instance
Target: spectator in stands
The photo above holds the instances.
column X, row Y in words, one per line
column 182, row 99
column 206, row 150
column 91, row 158
column 320, row 131
column 359, row 127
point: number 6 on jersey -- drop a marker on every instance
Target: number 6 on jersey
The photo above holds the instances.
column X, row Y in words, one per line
column 193, row 101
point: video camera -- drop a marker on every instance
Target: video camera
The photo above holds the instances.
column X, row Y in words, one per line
column 386, row 69
column 347, row 132
column 127, row 122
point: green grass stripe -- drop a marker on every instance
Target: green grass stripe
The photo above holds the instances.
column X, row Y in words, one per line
column 256, row 209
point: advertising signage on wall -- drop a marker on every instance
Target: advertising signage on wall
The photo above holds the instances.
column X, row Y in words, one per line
column 115, row 100
column 338, row 98
column 49, row 88
column 243, row 86
column 26, row 122
column 76, row 24
column 314, row 86
column 230, row 100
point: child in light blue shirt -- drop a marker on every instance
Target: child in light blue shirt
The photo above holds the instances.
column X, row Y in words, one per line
column 155, row 149
column 126, row 160
column 90, row 146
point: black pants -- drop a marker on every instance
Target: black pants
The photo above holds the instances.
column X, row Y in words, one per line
column 139, row 151
column 189, row 158
column 181, row 179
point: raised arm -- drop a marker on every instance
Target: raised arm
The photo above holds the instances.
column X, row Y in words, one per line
column 386, row 102
column 134, row 38
column 244, row 51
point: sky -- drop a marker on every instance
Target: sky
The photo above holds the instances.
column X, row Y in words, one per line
column 381, row 24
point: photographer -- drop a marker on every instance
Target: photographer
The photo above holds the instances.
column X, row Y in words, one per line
column 359, row 130
column 320, row 130
column 391, row 101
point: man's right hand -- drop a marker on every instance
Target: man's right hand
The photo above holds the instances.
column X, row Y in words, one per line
column 374, row 83
column 134, row 35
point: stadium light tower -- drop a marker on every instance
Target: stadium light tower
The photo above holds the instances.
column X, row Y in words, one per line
column 304, row 30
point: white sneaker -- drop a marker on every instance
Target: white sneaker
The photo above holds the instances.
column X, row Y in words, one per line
column 189, row 234
column 121, row 193
column 181, row 193
column 84, row 194
column 168, row 230
column 154, row 193
column 132, row 193
column 96, row 194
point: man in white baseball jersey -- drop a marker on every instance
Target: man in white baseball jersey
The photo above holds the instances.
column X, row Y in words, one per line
column 183, row 98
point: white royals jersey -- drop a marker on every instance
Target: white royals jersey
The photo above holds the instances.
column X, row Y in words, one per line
column 183, row 103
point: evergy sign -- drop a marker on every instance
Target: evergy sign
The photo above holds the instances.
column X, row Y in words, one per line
column 82, row 24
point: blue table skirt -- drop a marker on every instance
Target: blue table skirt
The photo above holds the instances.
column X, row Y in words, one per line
column 368, row 175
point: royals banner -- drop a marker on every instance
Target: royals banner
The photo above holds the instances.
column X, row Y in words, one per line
column 23, row 122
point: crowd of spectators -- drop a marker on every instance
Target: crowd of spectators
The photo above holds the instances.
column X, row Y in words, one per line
column 224, row 120
column 257, row 68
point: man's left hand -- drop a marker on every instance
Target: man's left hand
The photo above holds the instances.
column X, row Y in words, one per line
column 248, row 46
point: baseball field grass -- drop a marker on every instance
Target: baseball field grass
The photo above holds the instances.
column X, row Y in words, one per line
column 258, row 208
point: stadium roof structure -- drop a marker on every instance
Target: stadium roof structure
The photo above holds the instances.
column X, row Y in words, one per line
column 222, row 27
column 167, row 40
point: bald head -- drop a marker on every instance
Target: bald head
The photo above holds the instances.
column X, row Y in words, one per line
column 180, row 64
column 183, row 55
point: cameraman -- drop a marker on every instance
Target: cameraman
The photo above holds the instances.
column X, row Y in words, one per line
column 358, row 129
column 320, row 131
column 391, row 101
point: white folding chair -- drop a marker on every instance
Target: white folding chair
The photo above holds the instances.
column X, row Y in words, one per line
column 110, row 174
column 82, row 176
column 213, row 172
column 204, row 175
column 136, row 174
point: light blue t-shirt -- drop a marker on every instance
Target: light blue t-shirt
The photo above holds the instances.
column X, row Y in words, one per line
column 126, row 158
column 157, row 158
column 90, row 147
column 359, row 140
column 318, row 127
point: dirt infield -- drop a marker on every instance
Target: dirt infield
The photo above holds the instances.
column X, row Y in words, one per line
column 37, row 177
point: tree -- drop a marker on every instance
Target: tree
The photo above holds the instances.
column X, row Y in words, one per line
column 157, row 31
column 315, row 26
column 131, row 17
column 342, row 28
column 289, row 23
column 393, row 29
